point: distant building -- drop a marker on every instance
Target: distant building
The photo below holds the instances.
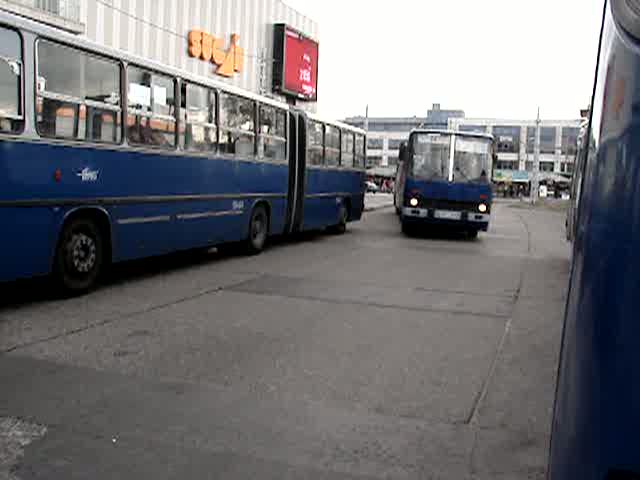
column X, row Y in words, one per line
column 65, row 14
column 385, row 133
column 516, row 143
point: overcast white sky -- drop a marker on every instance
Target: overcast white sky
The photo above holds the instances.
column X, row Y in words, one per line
column 491, row 58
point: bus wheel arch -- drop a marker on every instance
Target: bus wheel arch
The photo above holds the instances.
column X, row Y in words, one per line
column 259, row 227
column 83, row 250
column 347, row 204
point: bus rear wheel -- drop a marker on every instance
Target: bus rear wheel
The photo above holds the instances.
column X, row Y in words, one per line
column 79, row 256
column 258, row 230
column 343, row 217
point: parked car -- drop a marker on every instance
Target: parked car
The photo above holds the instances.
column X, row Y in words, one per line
column 372, row 187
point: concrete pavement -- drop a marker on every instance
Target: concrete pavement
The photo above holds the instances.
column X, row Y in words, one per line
column 376, row 201
column 368, row 355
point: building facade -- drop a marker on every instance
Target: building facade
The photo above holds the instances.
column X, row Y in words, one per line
column 384, row 134
column 159, row 30
column 516, row 142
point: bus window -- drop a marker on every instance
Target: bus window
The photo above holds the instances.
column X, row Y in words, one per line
column 78, row 95
column 347, row 150
column 11, row 117
column 237, row 125
column 332, row 146
column 151, row 109
column 315, row 143
column 199, row 115
column 272, row 143
column 360, row 152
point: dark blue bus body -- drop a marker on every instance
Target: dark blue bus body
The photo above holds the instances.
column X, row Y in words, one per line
column 457, row 197
column 454, row 202
column 70, row 173
column 151, row 201
column 154, row 203
column 596, row 417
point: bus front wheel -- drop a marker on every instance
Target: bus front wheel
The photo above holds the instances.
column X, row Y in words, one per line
column 79, row 256
column 258, row 230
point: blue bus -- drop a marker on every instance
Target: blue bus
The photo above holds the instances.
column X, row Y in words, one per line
column 596, row 417
column 106, row 157
column 444, row 180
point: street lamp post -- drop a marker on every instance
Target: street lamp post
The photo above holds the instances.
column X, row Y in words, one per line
column 536, row 162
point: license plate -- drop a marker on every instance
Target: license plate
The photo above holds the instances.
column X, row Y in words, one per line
column 447, row 215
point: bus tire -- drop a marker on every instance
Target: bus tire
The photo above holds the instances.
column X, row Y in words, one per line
column 80, row 256
column 408, row 229
column 472, row 234
column 258, row 230
column 343, row 217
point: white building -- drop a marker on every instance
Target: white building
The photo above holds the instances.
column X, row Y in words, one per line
column 159, row 30
column 516, row 145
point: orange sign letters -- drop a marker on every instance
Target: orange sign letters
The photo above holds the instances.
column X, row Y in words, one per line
column 211, row 49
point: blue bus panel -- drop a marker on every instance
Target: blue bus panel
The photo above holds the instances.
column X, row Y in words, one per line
column 327, row 190
column 436, row 196
column 596, row 417
column 155, row 203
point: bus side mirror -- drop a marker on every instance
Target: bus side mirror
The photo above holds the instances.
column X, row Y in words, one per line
column 403, row 151
column 495, row 157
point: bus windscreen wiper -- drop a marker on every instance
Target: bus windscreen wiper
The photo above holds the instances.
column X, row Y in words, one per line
column 463, row 173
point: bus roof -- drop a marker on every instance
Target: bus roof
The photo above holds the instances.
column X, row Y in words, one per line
column 453, row 132
column 335, row 123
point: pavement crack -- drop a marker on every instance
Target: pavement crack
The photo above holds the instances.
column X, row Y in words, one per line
column 472, row 418
column 108, row 321
column 375, row 305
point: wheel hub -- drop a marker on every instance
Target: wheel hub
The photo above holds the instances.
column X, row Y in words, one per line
column 82, row 253
column 258, row 227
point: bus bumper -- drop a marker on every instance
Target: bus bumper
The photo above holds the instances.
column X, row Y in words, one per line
column 449, row 218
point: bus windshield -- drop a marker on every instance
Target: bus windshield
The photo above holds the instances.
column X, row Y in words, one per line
column 472, row 159
column 431, row 152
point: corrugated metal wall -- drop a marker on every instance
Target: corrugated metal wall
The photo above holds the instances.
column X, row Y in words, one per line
column 158, row 30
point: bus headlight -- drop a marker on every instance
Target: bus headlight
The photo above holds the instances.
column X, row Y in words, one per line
column 413, row 202
column 482, row 208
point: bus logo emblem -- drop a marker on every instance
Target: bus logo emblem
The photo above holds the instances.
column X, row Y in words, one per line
column 87, row 175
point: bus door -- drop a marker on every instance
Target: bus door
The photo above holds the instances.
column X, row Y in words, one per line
column 297, row 155
column 401, row 176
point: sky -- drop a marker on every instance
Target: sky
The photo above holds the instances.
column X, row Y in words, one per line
column 490, row 58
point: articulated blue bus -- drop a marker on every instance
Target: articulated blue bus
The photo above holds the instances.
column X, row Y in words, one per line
column 106, row 157
column 444, row 180
column 596, row 418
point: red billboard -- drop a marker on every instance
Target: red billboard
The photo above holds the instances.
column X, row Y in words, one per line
column 297, row 64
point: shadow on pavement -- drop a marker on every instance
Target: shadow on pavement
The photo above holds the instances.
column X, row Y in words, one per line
column 449, row 234
column 40, row 290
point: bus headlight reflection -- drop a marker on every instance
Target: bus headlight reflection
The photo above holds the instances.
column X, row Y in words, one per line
column 413, row 202
column 483, row 208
